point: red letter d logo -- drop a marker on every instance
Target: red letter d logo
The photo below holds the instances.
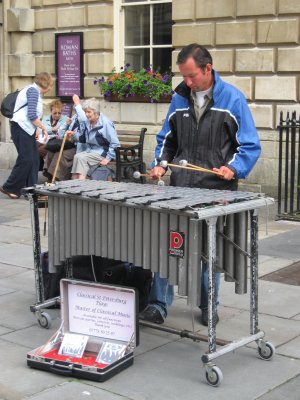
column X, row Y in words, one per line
column 176, row 240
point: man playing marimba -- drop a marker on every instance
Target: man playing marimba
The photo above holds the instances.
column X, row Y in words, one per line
column 209, row 124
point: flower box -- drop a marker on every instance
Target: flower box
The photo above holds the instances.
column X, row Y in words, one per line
column 129, row 85
column 135, row 98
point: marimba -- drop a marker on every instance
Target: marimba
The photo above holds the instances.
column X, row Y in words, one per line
column 165, row 229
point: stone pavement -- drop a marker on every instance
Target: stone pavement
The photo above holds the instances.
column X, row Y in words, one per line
column 165, row 366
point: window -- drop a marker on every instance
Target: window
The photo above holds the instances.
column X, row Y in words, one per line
column 147, row 37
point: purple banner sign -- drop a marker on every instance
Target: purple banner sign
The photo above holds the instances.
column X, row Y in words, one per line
column 67, row 109
column 69, row 61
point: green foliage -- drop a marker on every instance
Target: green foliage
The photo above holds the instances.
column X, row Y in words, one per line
column 128, row 82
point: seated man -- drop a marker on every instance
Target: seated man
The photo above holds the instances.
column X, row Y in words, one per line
column 98, row 134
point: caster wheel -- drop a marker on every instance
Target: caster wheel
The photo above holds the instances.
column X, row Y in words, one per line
column 267, row 351
column 45, row 320
column 214, row 376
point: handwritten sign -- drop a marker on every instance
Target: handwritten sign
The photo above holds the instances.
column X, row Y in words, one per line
column 101, row 312
column 69, row 64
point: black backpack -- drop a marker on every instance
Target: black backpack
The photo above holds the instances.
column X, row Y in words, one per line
column 8, row 104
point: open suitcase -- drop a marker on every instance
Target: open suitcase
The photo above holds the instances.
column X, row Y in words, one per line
column 98, row 333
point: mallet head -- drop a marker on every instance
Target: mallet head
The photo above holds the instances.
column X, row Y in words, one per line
column 184, row 163
column 136, row 175
column 164, row 164
column 160, row 183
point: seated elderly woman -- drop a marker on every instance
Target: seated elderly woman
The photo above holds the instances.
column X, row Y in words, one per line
column 52, row 122
column 57, row 124
column 63, row 169
column 99, row 135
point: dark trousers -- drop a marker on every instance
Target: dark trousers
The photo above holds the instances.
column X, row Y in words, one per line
column 25, row 171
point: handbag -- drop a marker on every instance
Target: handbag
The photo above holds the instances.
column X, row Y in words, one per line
column 100, row 173
column 114, row 272
column 54, row 145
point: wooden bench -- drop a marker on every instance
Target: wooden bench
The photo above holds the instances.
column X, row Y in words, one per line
column 129, row 157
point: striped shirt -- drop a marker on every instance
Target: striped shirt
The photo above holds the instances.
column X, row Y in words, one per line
column 32, row 98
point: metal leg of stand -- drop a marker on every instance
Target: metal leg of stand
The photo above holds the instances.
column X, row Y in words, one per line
column 254, row 272
column 36, row 239
column 212, row 308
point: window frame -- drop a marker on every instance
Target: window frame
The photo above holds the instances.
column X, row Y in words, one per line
column 119, row 30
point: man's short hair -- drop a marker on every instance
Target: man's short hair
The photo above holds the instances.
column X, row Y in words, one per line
column 199, row 53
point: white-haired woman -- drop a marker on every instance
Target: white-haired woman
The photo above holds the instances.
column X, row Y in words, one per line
column 99, row 135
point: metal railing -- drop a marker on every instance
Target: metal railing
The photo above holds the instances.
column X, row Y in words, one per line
column 289, row 166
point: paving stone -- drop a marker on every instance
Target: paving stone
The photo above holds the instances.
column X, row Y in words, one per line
column 289, row 390
column 14, row 310
column 16, row 234
column 274, row 298
column 17, row 377
column 76, row 391
column 177, row 371
column 8, row 270
column 289, row 275
column 17, row 254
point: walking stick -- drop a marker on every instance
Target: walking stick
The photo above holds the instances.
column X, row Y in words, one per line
column 53, row 178
column 59, row 157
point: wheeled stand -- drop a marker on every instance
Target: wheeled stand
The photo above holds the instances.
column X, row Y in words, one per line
column 266, row 350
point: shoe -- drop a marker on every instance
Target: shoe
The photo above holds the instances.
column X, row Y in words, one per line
column 10, row 195
column 152, row 314
column 47, row 175
column 204, row 318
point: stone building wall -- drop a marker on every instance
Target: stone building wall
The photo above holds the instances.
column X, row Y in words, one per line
column 255, row 45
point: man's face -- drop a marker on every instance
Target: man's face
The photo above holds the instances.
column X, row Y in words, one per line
column 195, row 77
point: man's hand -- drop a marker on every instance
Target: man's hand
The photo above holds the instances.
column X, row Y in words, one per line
column 157, row 172
column 227, row 173
column 103, row 162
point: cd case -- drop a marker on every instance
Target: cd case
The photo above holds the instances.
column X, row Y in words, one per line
column 98, row 333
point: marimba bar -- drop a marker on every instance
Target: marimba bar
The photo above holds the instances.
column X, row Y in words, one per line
column 163, row 229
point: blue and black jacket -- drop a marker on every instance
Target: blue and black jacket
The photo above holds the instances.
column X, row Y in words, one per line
column 224, row 135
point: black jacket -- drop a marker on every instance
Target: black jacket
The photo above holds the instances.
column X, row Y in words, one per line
column 225, row 135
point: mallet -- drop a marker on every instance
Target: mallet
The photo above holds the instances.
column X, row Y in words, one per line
column 137, row 175
column 190, row 167
column 185, row 163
